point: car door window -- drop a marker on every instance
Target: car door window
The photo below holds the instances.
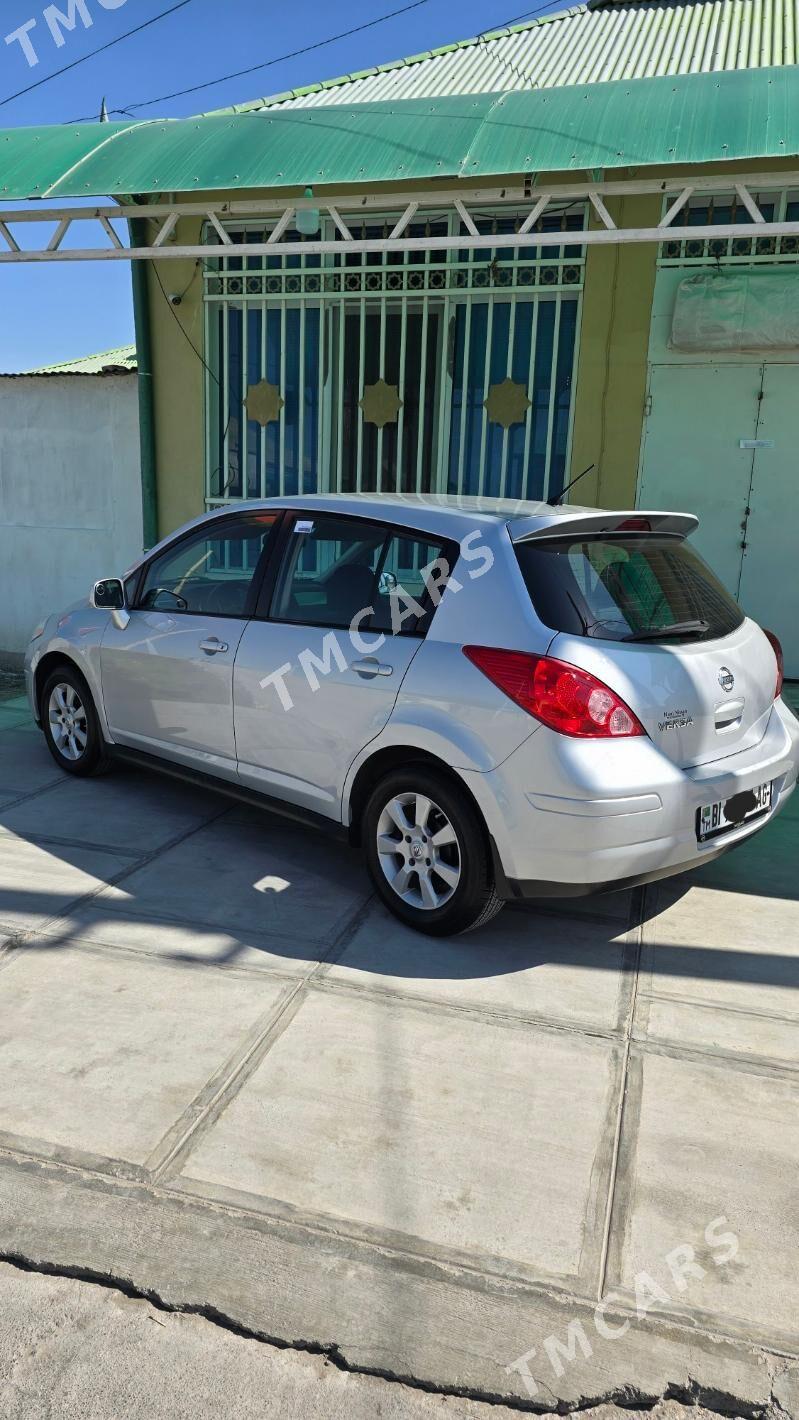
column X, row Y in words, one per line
column 343, row 570
column 210, row 572
column 329, row 572
column 409, row 567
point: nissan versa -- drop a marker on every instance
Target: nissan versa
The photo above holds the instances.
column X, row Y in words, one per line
column 496, row 700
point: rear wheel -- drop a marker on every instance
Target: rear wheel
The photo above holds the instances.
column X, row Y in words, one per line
column 427, row 853
column 70, row 724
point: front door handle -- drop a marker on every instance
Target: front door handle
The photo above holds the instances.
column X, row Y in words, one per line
column 370, row 667
column 213, row 646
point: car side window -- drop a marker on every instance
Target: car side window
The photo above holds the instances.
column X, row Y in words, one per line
column 411, row 568
column 329, row 571
column 342, row 570
column 209, row 572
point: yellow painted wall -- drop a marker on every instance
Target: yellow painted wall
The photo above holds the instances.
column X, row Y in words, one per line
column 612, row 360
column 178, row 383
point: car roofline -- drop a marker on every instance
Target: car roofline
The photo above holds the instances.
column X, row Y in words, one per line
column 414, row 509
column 439, row 514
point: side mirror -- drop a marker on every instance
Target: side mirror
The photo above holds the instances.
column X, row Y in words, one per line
column 109, row 595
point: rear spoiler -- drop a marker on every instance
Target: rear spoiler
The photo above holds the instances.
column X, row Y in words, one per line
column 591, row 524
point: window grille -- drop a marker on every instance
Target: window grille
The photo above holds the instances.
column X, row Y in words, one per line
column 754, row 244
column 373, row 369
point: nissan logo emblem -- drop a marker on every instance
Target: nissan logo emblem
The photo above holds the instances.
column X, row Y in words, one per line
column 726, row 679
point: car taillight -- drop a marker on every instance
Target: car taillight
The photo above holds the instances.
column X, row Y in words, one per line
column 634, row 525
column 777, row 649
column 561, row 696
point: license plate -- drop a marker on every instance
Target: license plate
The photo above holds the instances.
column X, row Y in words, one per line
column 724, row 816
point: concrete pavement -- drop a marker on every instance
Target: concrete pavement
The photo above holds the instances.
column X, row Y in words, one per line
column 81, row 1352
column 495, row 1166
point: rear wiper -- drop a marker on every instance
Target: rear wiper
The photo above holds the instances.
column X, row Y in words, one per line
column 676, row 628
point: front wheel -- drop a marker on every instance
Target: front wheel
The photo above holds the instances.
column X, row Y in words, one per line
column 70, row 724
column 427, row 853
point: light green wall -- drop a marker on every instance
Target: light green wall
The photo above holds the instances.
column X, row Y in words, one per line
column 612, row 363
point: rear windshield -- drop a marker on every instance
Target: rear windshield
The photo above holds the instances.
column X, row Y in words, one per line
column 624, row 588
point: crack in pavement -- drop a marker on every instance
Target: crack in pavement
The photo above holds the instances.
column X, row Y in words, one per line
column 626, row 1397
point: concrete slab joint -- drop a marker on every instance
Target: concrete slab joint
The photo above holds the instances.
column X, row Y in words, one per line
column 549, row 1165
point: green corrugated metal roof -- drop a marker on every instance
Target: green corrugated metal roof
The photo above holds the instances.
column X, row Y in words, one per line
column 365, row 143
column 689, row 119
column 597, row 43
column 123, row 357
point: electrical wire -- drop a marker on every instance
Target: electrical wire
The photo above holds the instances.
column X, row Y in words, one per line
column 101, row 50
column 308, row 49
column 193, row 347
column 181, row 327
column 281, row 58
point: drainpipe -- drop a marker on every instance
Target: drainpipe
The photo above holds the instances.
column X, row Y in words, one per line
column 144, row 351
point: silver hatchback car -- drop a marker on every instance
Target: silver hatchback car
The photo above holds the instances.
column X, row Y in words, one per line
column 497, row 701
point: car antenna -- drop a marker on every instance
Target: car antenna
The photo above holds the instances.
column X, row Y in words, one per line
column 553, row 502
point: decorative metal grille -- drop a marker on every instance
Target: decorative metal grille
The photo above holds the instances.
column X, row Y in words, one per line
column 317, row 334
column 754, row 244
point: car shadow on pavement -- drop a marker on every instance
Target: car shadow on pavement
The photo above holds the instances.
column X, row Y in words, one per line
column 152, row 865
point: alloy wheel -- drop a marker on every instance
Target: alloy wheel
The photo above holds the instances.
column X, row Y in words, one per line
column 69, row 728
column 418, row 851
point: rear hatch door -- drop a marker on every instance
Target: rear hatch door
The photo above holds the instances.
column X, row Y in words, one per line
column 697, row 702
column 635, row 605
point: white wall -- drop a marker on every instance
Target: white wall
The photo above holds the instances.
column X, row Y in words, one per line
column 70, row 492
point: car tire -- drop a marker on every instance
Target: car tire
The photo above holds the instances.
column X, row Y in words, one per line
column 427, row 852
column 70, row 724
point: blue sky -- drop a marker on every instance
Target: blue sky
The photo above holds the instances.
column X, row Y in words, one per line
column 51, row 312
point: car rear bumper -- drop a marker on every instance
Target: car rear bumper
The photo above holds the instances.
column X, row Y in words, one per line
column 636, row 817
column 519, row 889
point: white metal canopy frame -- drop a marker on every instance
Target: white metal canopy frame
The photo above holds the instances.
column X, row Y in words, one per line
column 677, row 192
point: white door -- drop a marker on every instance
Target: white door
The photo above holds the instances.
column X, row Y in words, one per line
column 769, row 590
column 720, row 441
column 692, row 460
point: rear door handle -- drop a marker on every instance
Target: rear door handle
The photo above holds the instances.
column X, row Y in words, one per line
column 213, row 646
column 729, row 714
column 370, row 667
